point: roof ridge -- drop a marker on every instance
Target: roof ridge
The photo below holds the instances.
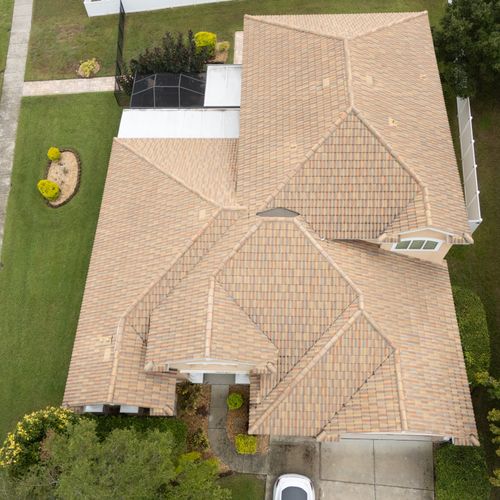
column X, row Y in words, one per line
column 410, row 16
column 399, row 160
column 311, row 358
column 320, row 436
column 210, row 316
column 310, row 153
column 290, row 27
column 176, row 179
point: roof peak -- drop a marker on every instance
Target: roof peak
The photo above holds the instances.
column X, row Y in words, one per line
column 275, row 20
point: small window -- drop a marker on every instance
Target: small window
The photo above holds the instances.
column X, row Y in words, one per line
column 417, row 244
column 409, row 245
column 430, row 245
column 403, row 245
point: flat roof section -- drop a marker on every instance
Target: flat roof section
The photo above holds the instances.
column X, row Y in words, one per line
column 180, row 124
column 223, row 85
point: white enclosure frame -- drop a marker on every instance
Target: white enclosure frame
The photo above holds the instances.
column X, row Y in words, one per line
column 469, row 166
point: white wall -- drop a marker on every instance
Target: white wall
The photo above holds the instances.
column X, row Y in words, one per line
column 104, row 7
column 180, row 123
column 223, row 87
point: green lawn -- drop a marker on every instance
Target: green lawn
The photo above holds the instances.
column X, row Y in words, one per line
column 245, row 486
column 461, row 473
column 6, row 7
column 62, row 34
column 46, row 251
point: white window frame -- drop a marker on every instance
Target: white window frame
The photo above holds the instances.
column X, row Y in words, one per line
column 424, row 239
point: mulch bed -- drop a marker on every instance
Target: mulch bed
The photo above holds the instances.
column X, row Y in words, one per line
column 237, row 420
column 66, row 173
column 198, row 419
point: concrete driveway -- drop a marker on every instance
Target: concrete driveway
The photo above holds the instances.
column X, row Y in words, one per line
column 357, row 469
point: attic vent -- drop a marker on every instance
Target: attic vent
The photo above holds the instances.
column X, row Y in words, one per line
column 326, row 83
column 278, row 212
column 392, row 122
column 369, row 80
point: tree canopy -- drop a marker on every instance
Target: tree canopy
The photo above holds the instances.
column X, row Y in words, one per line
column 468, row 46
column 126, row 464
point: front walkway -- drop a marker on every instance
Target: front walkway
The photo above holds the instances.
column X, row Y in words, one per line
column 73, row 86
column 10, row 102
column 221, row 446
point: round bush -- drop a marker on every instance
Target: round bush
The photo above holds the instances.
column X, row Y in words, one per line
column 88, row 68
column 48, row 189
column 206, row 39
column 234, row 401
column 54, row 154
column 245, row 444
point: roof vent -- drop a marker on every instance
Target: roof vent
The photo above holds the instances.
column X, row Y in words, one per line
column 369, row 80
column 392, row 122
column 278, row 212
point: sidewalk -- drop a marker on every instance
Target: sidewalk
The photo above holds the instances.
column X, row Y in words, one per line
column 10, row 102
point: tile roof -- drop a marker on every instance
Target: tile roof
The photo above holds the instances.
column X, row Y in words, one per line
column 338, row 336
column 147, row 218
column 350, row 94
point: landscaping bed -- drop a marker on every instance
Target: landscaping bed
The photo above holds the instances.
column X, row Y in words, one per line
column 237, row 420
column 195, row 416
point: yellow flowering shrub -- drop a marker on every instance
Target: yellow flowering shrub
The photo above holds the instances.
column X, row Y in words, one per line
column 21, row 448
column 54, row 154
column 88, row 68
column 206, row 39
column 48, row 189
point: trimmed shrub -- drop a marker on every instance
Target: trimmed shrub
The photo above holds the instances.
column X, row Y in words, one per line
column 461, row 473
column 197, row 440
column 54, row 154
column 48, row 189
column 494, row 420
column 473, row 332
column 206, row 39
column 108, row 423
column 22, row 447
column 234, row 401
column 245, row 444
column 222, row 46
column 88, row 68
column 188, row 397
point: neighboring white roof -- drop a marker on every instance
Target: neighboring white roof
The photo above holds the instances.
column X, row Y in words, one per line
column 223, row 87
column 180, row 124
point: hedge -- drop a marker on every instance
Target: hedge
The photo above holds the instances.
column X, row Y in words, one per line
column 461, row 473
column 473, row 331
column 108, row 423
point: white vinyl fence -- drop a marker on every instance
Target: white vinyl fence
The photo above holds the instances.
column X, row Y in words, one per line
column 105, row 7
column 469, row 167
